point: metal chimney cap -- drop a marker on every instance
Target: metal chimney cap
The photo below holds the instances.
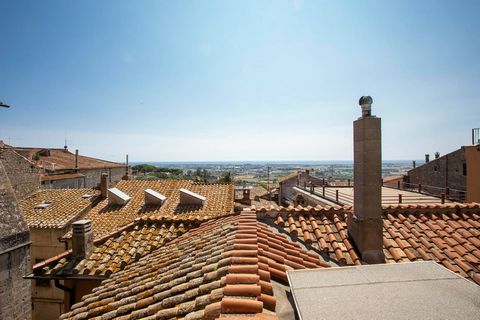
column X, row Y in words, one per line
column 366, row 103
column 365, row 100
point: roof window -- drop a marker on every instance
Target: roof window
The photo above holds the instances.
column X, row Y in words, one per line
column 118, row 197
column 189, row 197
column 87, row 195
column 154, row 197
column 43, row 205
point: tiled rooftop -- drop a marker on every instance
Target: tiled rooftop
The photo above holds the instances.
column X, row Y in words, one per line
column 59, row 159
column 107, row 218
column 65, row 206
column 117, row 250
column 448, row 234
column 225, row 267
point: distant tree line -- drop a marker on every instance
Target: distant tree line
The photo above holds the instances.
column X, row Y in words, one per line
column 150, row 172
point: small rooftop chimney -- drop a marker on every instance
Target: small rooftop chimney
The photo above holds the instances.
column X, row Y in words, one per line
column 365, row 226
column 189, row 197
column 414, row 164
column 82, row 239
column 427, row 158
column 153, row 197
column 76, row 159
column 104, row 185
column 437, row 155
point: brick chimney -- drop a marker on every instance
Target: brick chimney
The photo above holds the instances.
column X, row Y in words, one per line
column 82, row 239
column 76, row 159
column 365, row 225
column 104, row 185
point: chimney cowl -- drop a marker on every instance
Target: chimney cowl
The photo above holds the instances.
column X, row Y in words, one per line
column 366, row 103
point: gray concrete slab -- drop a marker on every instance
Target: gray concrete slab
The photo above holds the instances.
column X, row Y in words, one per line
column 419, row 290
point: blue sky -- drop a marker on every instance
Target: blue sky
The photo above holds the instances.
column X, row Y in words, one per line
column 238, row 80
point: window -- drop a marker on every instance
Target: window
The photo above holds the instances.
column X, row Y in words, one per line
column 464, row 169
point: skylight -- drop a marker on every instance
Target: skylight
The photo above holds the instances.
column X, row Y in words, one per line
column 115, row 196
column 43, row 205
column 154, row 197
column 189, row 197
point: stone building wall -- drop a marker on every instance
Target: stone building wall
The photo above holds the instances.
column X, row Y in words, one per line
column 15, row 292
column 23, row 175
column 74, row 183
column 287, row 195
column 93, row 176
column 446, row 171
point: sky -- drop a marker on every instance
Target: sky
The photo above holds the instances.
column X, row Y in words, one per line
column 238, row 80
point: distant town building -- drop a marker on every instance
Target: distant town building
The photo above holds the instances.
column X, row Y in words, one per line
column 303, row 178
column 247, row 196
column 15, row 292
column 456, row 175
column 61, row 169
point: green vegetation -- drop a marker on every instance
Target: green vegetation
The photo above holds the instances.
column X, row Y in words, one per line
column 226, row 177
column 149, row 172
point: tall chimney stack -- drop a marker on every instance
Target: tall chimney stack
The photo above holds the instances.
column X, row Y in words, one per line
column 104, row 185
column 427, row 158
column 76, row 159
column 82, row 239
column 365, row 225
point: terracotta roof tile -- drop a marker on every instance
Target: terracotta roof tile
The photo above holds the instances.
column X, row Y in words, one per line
column 59, row 159
column 107, row 218
column 115, row 251
column 447, row 233
column 61, row 206
column 221, row 268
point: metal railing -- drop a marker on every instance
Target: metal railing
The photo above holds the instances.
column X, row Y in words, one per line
column 444, row 193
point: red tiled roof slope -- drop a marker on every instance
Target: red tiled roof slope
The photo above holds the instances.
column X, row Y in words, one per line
column 117, row 250
column 107, row 218
column 66, row 205
column 224, row 267
column 448, row 234
column 60, row 159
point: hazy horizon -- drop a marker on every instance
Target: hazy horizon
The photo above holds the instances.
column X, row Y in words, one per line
column 229, row 80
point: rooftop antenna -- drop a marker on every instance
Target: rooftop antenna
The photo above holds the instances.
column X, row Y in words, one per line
column 65, row 146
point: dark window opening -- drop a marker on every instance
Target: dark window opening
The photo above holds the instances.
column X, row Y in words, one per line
column 464, row 169
column 435, row 168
